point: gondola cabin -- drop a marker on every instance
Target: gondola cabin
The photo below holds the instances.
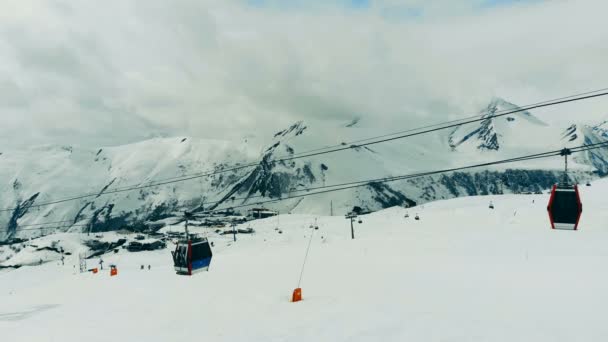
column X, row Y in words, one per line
column 565, row 207
column 192, row 256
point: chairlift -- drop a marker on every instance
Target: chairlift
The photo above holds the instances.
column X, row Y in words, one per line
column 417, row 217
column 407, row 215
column 491, row 205
column 588, row 183
column 565, row 206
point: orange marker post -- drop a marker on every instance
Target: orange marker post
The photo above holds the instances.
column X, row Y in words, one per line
column 297, row 295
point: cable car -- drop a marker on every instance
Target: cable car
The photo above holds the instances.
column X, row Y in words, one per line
column 565, row 207
column 192, row 256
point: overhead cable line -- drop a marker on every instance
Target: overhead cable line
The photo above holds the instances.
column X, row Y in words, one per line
column 353, row 144
column 308, row 155
column 357, row 184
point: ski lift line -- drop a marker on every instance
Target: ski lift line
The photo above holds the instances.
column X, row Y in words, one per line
column 350, row 185
column 123, row 190
column 572, row 98
column 287, row 157
column 453, row 123
column 417, row 175
column 365, row 182
column 306, row 257
column 404, row 177
column 386, row 179
column 523, row 108
column 442, row 127
column 421, row 174
column 346, row 186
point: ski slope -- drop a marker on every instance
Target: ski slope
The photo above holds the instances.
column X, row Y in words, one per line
column 462, row 273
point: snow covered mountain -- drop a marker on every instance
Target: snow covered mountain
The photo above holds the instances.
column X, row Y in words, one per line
column 496, row 133
column 584, row 134
column 51, row 173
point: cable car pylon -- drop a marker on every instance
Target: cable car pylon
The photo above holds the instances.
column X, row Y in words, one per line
column 565, row 206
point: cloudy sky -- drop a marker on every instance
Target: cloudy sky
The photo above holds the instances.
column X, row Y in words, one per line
column 116, row 71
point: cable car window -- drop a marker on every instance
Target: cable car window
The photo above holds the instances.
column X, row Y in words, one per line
column 201, row 251
column 565, row 207
column 182, row 256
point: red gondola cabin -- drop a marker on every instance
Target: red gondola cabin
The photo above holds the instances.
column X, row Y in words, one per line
column 565, row 207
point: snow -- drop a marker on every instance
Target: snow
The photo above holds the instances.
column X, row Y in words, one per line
column 462, row 273
column 59, row 172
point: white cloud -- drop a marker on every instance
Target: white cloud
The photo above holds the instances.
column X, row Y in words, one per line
column 92, row 73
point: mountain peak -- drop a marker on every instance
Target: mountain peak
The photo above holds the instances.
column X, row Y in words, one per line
column 297, row 128
column 490, row 133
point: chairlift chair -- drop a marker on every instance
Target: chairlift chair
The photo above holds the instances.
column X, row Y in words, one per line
column 491, row 205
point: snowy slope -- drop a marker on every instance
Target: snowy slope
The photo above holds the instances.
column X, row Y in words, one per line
column 44, row 174
column 48, row 173
column 577, row 135
column 461, row 273
column 504, row 132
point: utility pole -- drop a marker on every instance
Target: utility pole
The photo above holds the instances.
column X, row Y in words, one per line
column 331, row 208
column 234, row 230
